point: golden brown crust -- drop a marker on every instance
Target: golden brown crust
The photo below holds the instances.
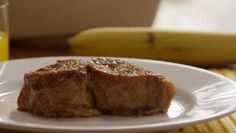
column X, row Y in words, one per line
column 71, row 88
column 129, row 94
column 57, row 93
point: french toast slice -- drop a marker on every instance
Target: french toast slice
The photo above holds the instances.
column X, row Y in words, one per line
column 122, row 88
column 74, row 88
column 58, row 90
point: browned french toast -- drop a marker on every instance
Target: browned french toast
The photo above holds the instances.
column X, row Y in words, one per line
column 122, row 88
column 58, row 90
column 74, row 88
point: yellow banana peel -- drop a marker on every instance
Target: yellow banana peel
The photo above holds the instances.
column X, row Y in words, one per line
column 201, row 49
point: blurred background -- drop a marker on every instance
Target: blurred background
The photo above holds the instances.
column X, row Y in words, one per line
column 201, row 33
column 43, row 28
column 33, row 18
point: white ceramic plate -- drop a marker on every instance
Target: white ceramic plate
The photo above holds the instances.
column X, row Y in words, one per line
column 201, row 95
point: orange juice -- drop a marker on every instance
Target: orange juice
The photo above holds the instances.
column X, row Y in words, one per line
column 4, row 50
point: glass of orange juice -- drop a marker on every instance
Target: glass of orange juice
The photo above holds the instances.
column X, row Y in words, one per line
column 4, row 37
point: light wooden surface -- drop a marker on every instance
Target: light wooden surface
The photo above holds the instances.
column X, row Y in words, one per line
column 39, row 47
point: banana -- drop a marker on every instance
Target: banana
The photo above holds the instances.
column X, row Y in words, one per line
column 200, row 49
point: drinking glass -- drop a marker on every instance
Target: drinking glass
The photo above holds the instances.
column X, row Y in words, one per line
column 4, row 37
